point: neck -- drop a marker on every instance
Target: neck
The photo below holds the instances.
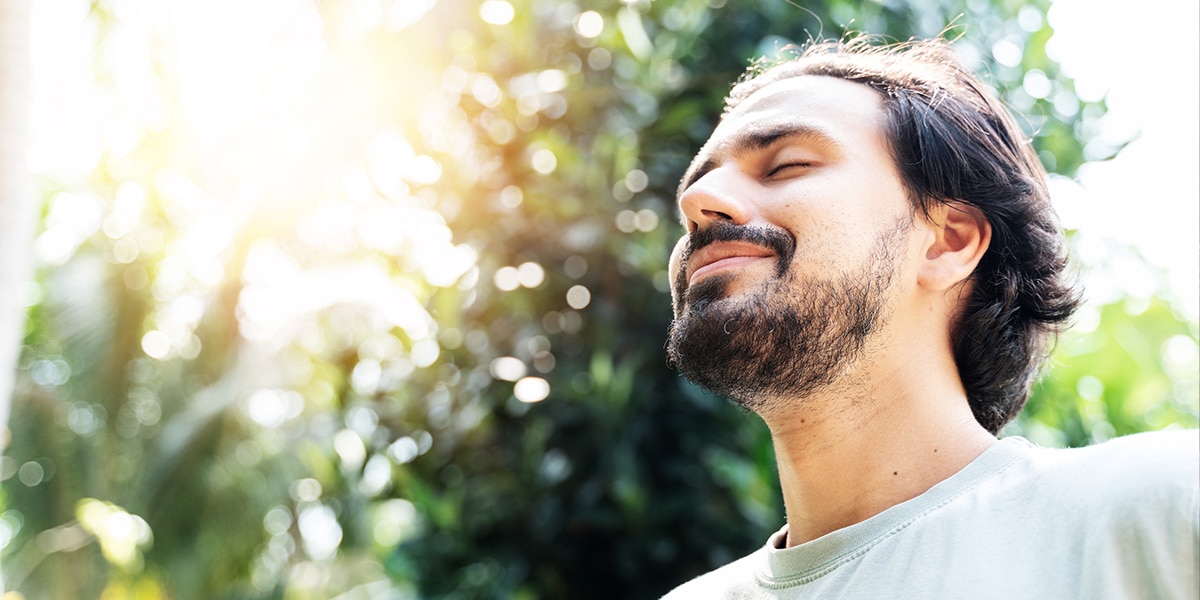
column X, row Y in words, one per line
column 882, row 445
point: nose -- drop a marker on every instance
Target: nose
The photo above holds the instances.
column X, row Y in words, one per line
column 720, row 194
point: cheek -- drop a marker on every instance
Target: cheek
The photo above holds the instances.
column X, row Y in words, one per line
column 674, row 265
column 677, row 257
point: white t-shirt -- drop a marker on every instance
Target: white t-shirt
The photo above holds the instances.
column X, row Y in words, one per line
column 1116, row 520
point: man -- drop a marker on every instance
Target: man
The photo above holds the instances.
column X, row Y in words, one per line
column 872, row 265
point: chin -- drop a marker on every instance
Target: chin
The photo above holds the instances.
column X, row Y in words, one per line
column 703, row 294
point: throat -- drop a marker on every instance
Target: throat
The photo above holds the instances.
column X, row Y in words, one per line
column 833, row 478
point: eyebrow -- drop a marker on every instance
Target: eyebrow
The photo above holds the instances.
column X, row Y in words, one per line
column 761, row 138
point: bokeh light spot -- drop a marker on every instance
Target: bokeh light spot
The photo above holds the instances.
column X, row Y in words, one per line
column 425, row 352
column 1036, row 84
column 443, row 269
column 646, row 220
column 511, row 196
column 121, row 534
column 507, row 278
column 530, row 274
column 394, row 521
column 486, row 91
column 589, row 24
column 1007, row 53
column 575, row 266
column 124, row 251
column 156, row 344
column 497, row 12
column 544, row 161
column 31, row 473
column 1089, row 387
column 306, row 490
column 350, row 448
column 272, row 408
column 579, row 297
column 321, row 532
column 637, row 180
column 507, row 368
column 599, row 59
column 626, row 221
column 1180, row 350
column 403, row 450
column 376, row 475
column 552, row 80
column 531, row 389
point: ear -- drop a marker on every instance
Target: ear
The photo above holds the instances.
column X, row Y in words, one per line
column 961, row 234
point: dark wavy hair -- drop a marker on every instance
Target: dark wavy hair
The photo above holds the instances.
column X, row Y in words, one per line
column 954, row 142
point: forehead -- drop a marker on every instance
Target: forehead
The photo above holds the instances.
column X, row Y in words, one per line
column 824, row 110
column 810, row 97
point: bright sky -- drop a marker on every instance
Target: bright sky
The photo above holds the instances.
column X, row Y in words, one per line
column 1148, row 197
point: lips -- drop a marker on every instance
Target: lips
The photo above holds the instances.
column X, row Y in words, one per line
column 719, row 256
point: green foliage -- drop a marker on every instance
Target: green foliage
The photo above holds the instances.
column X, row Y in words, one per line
column 317, row 408
column 1129, row 366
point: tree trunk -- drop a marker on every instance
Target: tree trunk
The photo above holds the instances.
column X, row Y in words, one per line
column 17, row 206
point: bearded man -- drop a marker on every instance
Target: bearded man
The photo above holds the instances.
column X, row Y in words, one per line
column 873, row 266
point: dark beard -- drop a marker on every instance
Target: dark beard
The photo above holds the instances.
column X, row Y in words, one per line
column 784, row 339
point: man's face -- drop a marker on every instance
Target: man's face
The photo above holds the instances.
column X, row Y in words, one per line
column 797, row 228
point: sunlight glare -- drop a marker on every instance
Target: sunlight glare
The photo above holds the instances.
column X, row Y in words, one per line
column 126, row 211
column 388, row 155
column 222, row 61
column 329, row 220
column 403, row 13
column 71, row 220
column 423, row 169
column 497, row 12
column 444, row 267
column 270, row 310
column 66, row 110
column 271, row 408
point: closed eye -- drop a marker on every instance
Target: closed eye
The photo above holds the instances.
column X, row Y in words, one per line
column 790, row 165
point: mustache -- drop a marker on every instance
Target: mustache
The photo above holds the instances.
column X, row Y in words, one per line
column 783, row 244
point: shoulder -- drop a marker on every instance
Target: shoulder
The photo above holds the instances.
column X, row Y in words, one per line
column 1145, row 479
column 1118, row 519
column 1177, row 444
column 1135, row 501
column 1157, row 458
column 734, row 580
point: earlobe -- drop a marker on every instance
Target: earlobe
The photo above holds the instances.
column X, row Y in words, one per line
column 961, row 235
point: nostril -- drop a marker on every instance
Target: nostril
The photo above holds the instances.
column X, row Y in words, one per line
column 714, row 214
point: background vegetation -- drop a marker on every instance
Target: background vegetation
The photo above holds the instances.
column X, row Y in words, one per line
column 383, row 317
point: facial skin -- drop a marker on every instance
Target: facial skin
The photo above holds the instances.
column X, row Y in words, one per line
column 798, row 227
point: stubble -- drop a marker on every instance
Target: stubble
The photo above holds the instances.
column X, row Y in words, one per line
column 786, row 338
